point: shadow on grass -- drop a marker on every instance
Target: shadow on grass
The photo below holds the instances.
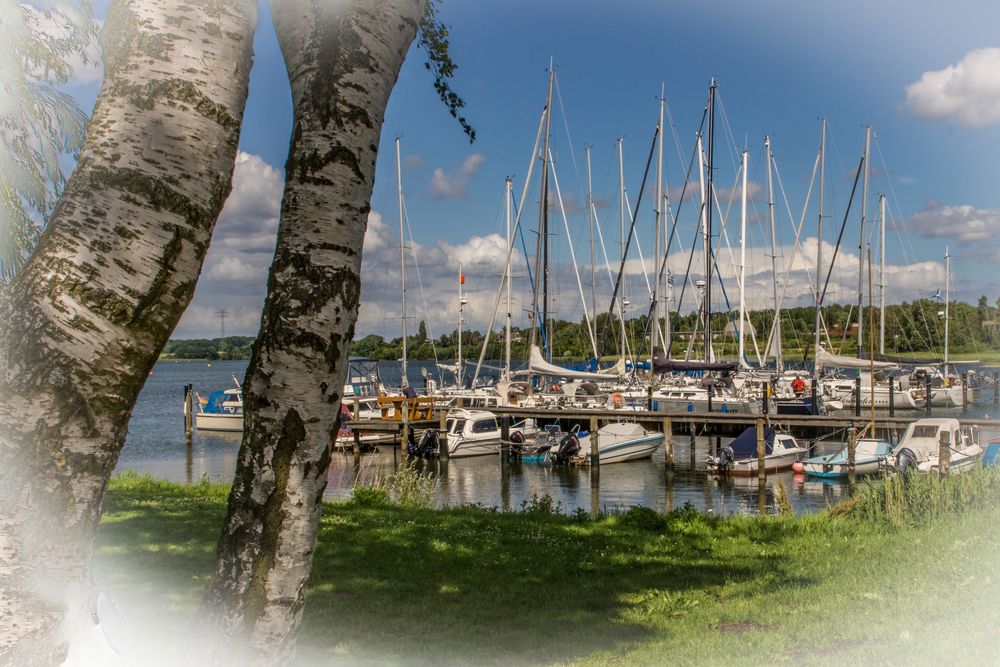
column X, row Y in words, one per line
column 472, row 586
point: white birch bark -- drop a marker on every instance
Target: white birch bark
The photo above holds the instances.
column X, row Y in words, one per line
column 85, row 320
column 343, row 59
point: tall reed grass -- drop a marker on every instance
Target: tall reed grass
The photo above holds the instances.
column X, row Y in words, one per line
column 909, row 499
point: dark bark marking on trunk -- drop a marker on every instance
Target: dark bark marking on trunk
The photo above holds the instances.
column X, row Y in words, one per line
column 167, row 91
column 271, row 516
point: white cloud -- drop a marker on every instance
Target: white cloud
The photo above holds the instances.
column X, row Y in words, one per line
column 966, row 224
column 235, row 269
column 454, row 186
column 967, row 93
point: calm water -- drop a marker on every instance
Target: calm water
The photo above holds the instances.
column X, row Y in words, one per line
column 155, row 445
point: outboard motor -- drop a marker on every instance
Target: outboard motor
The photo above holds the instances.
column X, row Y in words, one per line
column 906, row 460
column 726, row 458
column 411, row 441
column 568, row 447
column 516, row 444
column 429, row 445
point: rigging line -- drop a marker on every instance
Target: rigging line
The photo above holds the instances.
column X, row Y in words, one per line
column 569, row 138
column 843, row 226
column 631, row 232
column 638, row 246
column 673, row 229
column 733, row 146
column 906, row 245
column 572, row 253
column 420, row 282
column 604, row 250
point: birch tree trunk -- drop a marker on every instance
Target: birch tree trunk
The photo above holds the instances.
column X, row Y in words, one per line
column 84, row 322
column 343, row 59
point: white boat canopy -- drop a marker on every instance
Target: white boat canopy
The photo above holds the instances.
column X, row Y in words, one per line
column 538, row 366
column 826, row 359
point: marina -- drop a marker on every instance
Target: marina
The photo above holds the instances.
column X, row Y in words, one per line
column 674, row 475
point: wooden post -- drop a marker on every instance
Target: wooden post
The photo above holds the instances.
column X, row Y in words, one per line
column 813, row 391
column 357, row 443
column 443, row 451
column 188, row 410
column 649, row 398
column 892, row 397
column 965, row 393
column 857, row 396
column 404, row 433
column 595, row 453
column 764, row 405
column 504, row 439
column 944, row 453
column 761, row 471
column 996, row 389
column 927, row 396
column 852, row 446
column 668, row 442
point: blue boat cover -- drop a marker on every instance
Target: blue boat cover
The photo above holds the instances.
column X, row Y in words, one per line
column 992, row 454
column 215, row 400
column 745, row 444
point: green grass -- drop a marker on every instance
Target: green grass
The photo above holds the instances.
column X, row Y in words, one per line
column 475, row 586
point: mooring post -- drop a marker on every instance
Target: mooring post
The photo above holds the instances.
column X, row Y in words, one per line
column 649, row 398
column 188, row 410
column 944, row 453
column 927, row 396
column 892, row 397
column 852, row 447
column 761, row 471
column 443, row 435
column 668, row 442
column 504, row 439
column 764, row 405
column 996, row 389
column 857, row 396
column 357, row 443
column 813, row 391
column 965, row 393
column 595, row 455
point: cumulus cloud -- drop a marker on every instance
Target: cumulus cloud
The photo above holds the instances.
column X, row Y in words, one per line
column 965, row 223
column 454, row 186
column 234, row 268
column 967, row 93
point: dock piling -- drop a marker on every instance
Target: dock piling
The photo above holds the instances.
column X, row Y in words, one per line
column 188, row 410
column 761, row 471
column 857, row 396
column 927, row 396
column 892, row 398
column 668, row 442
column 965, row 393
column 944, row 454
column 996, row 390
column 595, row 456
column 852, row 447
column 504, row 439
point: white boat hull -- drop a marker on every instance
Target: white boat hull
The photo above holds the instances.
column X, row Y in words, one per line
column 462, row 448
column 619, row 442
column 218, row 422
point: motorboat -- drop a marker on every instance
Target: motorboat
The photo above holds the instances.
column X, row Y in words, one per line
column 740, row 458
column 621, row 441
column 919, row 448
column 477, row 432
column 221, row 411
column 870, row 455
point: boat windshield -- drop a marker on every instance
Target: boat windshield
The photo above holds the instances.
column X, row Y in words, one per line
column 924, row 431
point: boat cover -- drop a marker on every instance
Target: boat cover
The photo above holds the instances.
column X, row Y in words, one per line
column 826, row 359
column 745, row 444
column 902, row 360
column 214, row 404
column 664, row 365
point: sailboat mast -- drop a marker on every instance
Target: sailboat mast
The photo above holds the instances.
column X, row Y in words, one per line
column 545, row 215
column 861, row 241
column 593, row 247
column 621, row 197
column 778, row 361
column 506, row 341
column 881, row 276
column 743, row 254
column 819, row 230
column 461, row 319
column 659, row 226
column 947, row 302
column 402, row 259
column 708, row 224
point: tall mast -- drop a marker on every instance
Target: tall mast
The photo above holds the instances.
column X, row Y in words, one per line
column 593, row 248
column 708, row 224
column 545, row 215
column 621, row 193
column 778, row 361
column 881, row 276
column 506, row 341
column 861, row 241
column 704, row 238
column 743, row 253
column 947, row 302
column 819, row 230
column 659, row 227
column 402, row 257
column 461, row 320
column 542, row 225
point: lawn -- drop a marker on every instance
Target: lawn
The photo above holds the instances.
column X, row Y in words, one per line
column 406, row 585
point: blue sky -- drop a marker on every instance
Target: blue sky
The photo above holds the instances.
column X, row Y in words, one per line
column 780, row 65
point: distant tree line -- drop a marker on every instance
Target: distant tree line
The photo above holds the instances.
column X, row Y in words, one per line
column 910, row 327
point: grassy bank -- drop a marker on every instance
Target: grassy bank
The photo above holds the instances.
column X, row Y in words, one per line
column 472, row 585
